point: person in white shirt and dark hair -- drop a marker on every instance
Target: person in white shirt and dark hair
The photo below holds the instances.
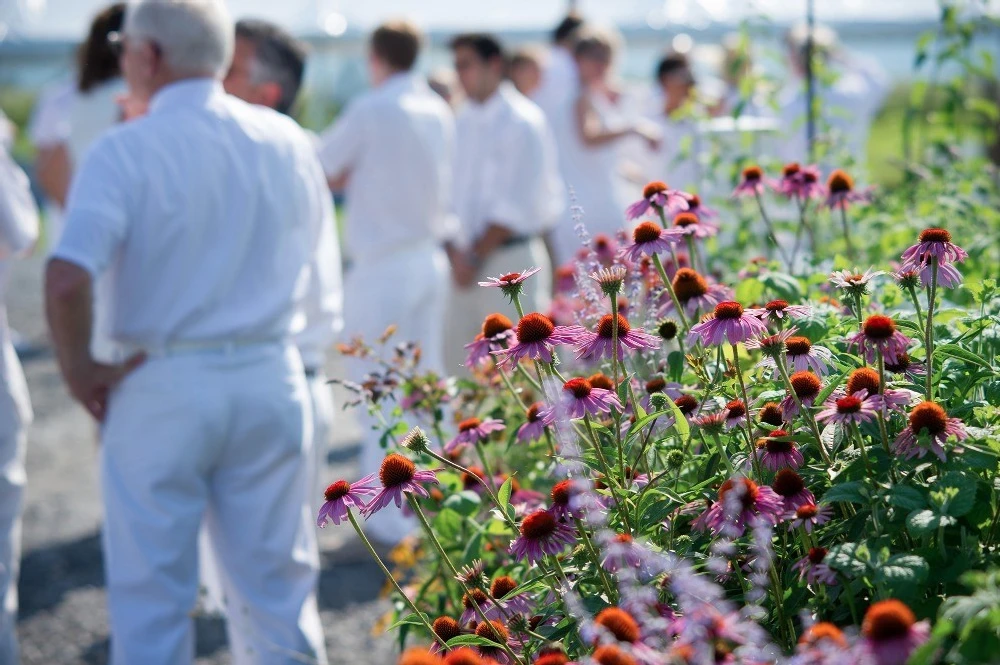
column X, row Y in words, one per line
column 208, row 209
column 18, row 233
column 393, row 149
column 507, row 188
column 847, row 107
column 559, row 81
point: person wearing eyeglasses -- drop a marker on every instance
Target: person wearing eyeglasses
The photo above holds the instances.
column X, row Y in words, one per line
column 206, row 210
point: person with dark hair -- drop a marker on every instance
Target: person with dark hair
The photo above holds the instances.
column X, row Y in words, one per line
column 508, row 192
column 268, row 64
column 673, row 160
column 559, row 81
column 676, row 81
column 393, row 147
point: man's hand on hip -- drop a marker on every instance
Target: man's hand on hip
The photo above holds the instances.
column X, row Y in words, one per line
column 91, row 382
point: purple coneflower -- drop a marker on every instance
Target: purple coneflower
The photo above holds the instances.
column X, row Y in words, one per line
column 473, row 430
column 931, row 417
column 695, row 207
column 933, row 244
column 802, row 355
column 777, row 311
column 749, row 501
column 341, row 495
column 752, row 182
column 599, row 343
column 728, row 322
column 622, row 552
column 712, row 423
column 854, row 282
column 610, row 279
column 537, row 419
column 771, row 346
column 809, row 515
column 775, row 454
column 580, row 398
column 694, row 292
column 807, row 387
column 841, row 192
column 541, row 534
column 505, row 600
column 399, row 476
column 656, row 196
column 510, row 283
column 536, row 337
column 792, row 489
column 813, row 570
column 649, row 239
column 605, row 248
column 911, row 369
column 799, row 181
column 891, row 632
column 856, row 408
column 879, row 333
column 562, row 495
column 736, row 413
column 497, row 333
column 688, row 224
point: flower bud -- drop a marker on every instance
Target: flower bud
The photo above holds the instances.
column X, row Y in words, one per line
column 658, row 401
column 416, row 441
column 675, row 459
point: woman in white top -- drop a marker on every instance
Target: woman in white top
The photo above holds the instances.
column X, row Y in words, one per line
column 588, row 139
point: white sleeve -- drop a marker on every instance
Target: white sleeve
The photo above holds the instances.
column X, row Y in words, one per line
column 517, row 195
column 341, row 145
column 18, row 212
column 97, row 212
column 449, row 226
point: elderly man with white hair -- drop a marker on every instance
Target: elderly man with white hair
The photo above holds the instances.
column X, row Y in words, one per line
column 206, row 211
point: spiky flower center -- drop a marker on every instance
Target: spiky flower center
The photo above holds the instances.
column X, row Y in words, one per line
column 601, row 381
column 694, row 201
column 533, row 412
column 493, row 630
column 645, row 233
column 736, row 409
column 337, row 490
column 728, row 310
column 749, row 492
column 879, row 327
column 810, row 176
column 396, row 470
column 469, row 424
column 887, row 620
column 791, row 169
column 935, row 235
column 502, row 586
column 686, row 404
column 807, row 511
column 605, row 327
column 538, row 525
column 773, row 446
column 472, row 477
column 601, row 243
column 619, row 623
column 689, row 284
column 667, row 330
column 753, row 173
column 771, row 414
column 510, row 277
column 806, row 384
column 579, row 387
column 463, row 656
column 655, row 187
column 609, row 654
column 685, row 219
column 824, row 631
column 787, row 483
column 534, row 327
column 863, row 378
column 840, row 182
column 494, row 324
column 816, row 554
column 446, row 628
column 623, row 538
column 553, row 658
column 655, row 385
column 798, row 346
column 929, row 416
column 848, row 404
column 477, row 595
column 902, row 363
column 776, row 306
column 418, row 656
column 561, row 493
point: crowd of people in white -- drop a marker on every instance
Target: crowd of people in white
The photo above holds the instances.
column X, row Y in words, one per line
column 194, row 283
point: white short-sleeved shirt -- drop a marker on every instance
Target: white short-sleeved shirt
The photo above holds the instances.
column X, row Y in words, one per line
column 560, row 83
column 507, row 168
column 209, row 210
column 50, row 119
column 397, row 144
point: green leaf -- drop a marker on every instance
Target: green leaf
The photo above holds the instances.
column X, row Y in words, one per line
column 921, row 522
column 902, row 572
column 849, row 492
column 641, row 423
column 504, row 494
column 965, row 498
column 908, row 498
column 830, row 387
column 471, row 641
column 410, row 619
column 447, row 524
column 680, row 422
column 464, row 503
column 954, row 351
column 847, row 558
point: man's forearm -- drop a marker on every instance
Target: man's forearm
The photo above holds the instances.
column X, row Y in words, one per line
column 69, row 309
column 492, row 238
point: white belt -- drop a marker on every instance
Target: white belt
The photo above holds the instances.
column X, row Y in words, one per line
column 220, row 347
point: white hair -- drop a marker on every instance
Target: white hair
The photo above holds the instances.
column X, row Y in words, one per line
column 194, row 36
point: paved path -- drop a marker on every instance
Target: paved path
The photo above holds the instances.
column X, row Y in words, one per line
column 63, row 617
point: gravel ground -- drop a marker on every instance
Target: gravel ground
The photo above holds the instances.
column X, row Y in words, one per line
column 63, row 619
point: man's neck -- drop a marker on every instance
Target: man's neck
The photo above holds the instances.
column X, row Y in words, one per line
column 489, row 93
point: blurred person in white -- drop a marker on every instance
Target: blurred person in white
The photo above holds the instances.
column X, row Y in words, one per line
column 525, row 70
column 675, row 159
column 846, row 108
column 507, row 190
column 210, row 210
column 393, row 149
column 18, row 233
column 559, row 82
column 589, row 134
column 68, row 120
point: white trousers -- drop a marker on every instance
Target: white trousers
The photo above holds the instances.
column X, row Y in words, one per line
column 12, row 477
column 407, row 288
column 221, row 437
column 469, row 307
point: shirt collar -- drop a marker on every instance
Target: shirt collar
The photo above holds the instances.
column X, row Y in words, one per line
column 490, row 108
column 187, row 92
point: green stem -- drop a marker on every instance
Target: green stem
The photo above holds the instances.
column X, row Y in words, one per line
column 489, row 490
column 770, row 230
column 783, row 370
column 607, row 470
column 916, row 305
column 722, row 453
column 746, row 405
column 847, row 231
column 929, row 330
column 596, row 556
column 673, row 296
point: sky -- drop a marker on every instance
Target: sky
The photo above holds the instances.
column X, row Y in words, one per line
column 68, row 18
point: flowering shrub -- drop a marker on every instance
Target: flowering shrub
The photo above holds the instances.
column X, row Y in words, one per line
column 794, row 461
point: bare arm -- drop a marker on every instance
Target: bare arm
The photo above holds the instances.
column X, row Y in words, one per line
column 588, row 125
column 54, row 172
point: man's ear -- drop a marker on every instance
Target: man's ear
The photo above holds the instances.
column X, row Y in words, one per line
column 270, row 94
